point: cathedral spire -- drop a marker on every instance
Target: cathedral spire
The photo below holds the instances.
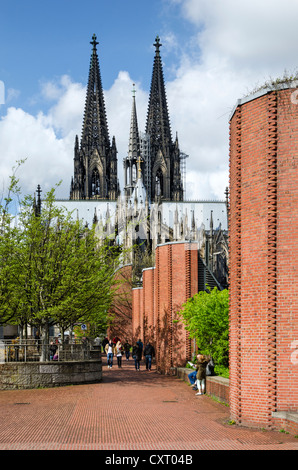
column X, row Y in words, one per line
column 163, row 170
column 130, row 162
column 95, row 132
column 134, row 141
column 158, row 123
column 95, row 158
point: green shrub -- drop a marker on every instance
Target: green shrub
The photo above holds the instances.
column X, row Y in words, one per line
column 206, row 317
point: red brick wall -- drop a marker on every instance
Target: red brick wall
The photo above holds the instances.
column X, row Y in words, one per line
column 165, row 288
column 122, row 305
column 149, row 331
column 263, row 257
column 137, row 313
column 287, row 254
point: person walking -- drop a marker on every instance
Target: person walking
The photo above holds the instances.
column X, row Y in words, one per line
column 37, row 340
column 137, row 355
column 53, row 348
column 119, row 353
column 104, row 343
column 109, row 349
column 140, row 344
column 127, row 347
column 149, row 354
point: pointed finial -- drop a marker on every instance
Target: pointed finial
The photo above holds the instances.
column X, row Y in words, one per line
column 94, row 42
column 38, row 206
column 157, row 43
column 95, row 219
column 133, row 90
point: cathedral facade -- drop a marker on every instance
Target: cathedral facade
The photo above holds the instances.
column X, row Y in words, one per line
column 151, row 209
column 95, row 157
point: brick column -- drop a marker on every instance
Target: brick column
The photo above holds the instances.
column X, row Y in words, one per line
column 137, row 313
column 148, row 305
column 263, row 257
column 235, row 266
column 172, row 281
column 122, row 305
column 176, row 281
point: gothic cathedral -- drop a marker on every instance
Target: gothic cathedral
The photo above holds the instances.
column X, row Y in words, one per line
column 95, row 158
column 151, row 208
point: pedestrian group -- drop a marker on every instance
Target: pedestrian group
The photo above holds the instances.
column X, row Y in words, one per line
column 115, row 348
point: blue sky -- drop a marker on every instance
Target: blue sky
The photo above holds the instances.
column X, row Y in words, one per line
column 42, row 40
column 214, row 52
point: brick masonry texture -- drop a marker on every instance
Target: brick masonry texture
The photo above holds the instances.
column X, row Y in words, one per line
column 216, row 387
column 156, row 304
column 127, row 410
column 263, row 227
column 122, row 305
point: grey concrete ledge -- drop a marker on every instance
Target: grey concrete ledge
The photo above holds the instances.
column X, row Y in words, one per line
column 25, row 375
column 219, row 380
column 263, row 91
column 287, row 415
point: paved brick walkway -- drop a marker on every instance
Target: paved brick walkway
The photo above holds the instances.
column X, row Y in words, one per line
column 129, row 411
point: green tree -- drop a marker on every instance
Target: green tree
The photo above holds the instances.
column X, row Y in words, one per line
column 11, row 306
column 206, row 317
column 53, row 270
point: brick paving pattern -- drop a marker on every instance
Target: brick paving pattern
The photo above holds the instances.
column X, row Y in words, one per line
column 128, row 410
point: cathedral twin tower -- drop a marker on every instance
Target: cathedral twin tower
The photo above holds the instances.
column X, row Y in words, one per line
column 152, row 156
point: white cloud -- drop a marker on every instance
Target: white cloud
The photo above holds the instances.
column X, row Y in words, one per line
column 12, row 94
column 235, row 46
column 66, row 114
column 23, row 136
column 238, row 45
column 47, row 139
column 250, row 33
column 118, row 101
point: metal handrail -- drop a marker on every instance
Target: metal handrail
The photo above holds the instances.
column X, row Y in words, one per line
column 20, row 350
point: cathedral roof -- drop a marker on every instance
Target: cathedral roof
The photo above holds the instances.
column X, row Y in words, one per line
column 201, row 210
column 85, row 210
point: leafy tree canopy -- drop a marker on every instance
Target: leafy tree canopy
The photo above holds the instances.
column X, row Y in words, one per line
column 206, row 317
column 52, row 269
